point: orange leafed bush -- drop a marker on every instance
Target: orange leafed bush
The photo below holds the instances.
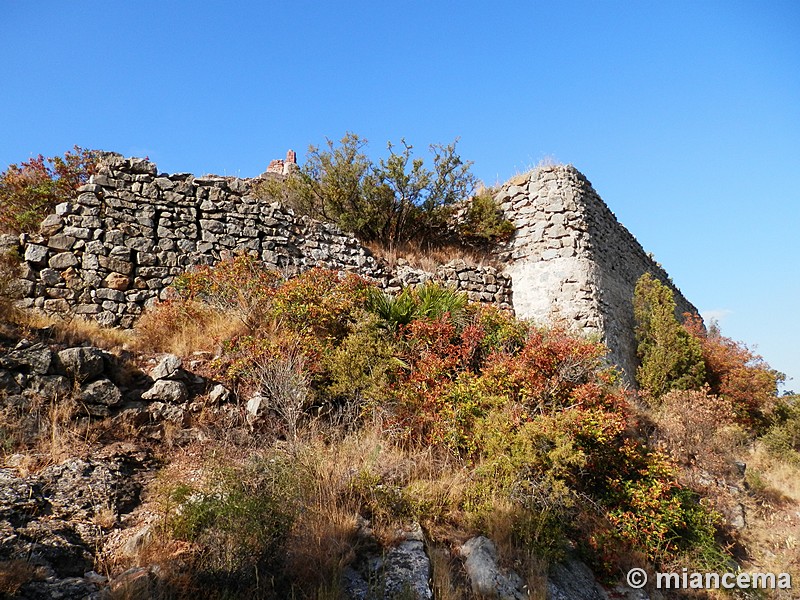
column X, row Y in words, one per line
column 31, row 189
column 737, row 374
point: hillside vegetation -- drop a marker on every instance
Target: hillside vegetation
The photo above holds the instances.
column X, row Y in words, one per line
column 332, row 416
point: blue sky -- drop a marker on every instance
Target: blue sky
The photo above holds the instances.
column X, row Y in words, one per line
column 685, row 116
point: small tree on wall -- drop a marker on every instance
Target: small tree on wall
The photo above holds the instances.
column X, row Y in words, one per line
column 31, row 189
column 391, row 201
column 671, row 359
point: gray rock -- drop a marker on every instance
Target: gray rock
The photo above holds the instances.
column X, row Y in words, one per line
column 573, row 580
column 82, row 364
column 168, row 367
column 51, row 225
column 62, row 261
column 256, row 405
column 167, row 390
column 61, row 241
column 219, row 394
column 50, row 277
column 162, row 411
column 35, row 359
column 8, row 383
column 486, row 578
column 36, row 254
column 51, row 387
column 102, row 392
column 407, row 569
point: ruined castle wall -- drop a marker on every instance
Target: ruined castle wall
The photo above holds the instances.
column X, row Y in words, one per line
column 116, row 248
column 572, row 263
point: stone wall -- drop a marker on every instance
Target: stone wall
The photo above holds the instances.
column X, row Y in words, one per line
column 118, row 245
column 572, row 263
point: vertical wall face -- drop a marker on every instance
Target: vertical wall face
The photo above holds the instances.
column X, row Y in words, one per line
column 572, row 263
column 117, row 246
column 553, row 276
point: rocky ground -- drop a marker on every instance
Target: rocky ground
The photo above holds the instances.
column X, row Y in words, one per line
column 96, row 428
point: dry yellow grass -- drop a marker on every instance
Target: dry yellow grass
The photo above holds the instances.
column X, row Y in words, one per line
column 428, row 258
column 772, row 536
column 184, row 330
column 75, row 330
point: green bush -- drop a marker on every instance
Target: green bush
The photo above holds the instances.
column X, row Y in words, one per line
column 783, row 436
column 426, row 301
column 391, row 201
column 671, row 359
column 240, row 520
column 483, row 222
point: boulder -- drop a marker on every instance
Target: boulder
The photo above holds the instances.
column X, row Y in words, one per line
column 169, row 367
column 407, row 569
column 485, row 576
column 82, row 364
column 167, row 390
column 35, row 359
column 573, row 580
column 102, row 392
column 51, row 387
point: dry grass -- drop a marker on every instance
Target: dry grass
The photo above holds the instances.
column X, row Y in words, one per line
column 74, row 330
column 14, row 573
column 185, row 329
column 45, row 432
column 428, row 258
column 443, row 580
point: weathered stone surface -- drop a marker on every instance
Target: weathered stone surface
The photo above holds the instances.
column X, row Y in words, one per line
column 36, row 253
column 571, row 262
column 51, row 225
column 219, row 394
column 485, row 576
column 102, row 391
column 50, row 387
column 116, row 281
column 167, row 390
column 63, row 260
column 82, row 364
column 402, row 571
column 572, row 580
column 35, row 359
column 169, row 366
column 406, row 569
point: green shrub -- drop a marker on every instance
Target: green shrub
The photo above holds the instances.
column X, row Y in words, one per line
column 426, row 301
column 359, row 370
column 670, row 357
column 240, row 520
column 783, row 436
column 391, row 201
column 483, row 222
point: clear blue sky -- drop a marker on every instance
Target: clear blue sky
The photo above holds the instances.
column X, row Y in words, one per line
column 684, row 115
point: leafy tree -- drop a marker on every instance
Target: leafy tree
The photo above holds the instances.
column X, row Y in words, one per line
column 30, row 190
column 391, row 201
column 736, row 373
column 671, row 359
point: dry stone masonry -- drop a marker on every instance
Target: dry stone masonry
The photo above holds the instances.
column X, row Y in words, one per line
column 572, row 263
column 119, row 244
